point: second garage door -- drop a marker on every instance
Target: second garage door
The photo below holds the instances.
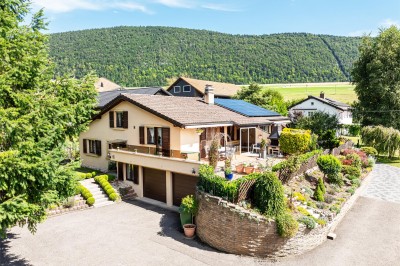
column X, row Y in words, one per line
column 183, row 185
column 154, row 184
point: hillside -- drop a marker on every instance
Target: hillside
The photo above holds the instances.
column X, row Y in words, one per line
column 146, row 56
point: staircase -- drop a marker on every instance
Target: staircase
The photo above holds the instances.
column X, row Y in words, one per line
column 101, row 198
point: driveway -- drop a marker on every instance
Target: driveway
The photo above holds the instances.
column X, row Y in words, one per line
column 137, row 233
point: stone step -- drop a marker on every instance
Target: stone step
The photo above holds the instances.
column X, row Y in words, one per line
column 102, row 204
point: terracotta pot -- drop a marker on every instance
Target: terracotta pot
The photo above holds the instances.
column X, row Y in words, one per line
column 189, row 230
column 249, row 169
column 239, row 168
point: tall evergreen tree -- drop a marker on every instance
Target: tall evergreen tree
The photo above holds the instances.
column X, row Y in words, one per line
column 38, row 113
column 377, row 77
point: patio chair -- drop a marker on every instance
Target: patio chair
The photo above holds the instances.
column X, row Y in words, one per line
column 256, row 148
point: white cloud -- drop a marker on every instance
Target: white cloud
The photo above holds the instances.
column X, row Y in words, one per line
column 219, row 7
column 177, row 3
column 389, row 22
column 383, row 24
column 62, row 6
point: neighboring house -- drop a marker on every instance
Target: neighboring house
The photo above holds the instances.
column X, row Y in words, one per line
column 188, row 87
column 157, row 141
column 312, row 104
column 106, row 96
column 103, row 84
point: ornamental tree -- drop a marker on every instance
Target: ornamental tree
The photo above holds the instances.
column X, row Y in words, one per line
column 38, row 113
column 293, row 141
column 329, row 165
column 377, row 79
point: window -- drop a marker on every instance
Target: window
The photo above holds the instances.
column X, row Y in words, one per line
column 154, row 135
column 92, row 146
column 187, row 88
column 177, row 89
column 132, row 173
column 118, row 119
column 310, row 113
column 312, row 103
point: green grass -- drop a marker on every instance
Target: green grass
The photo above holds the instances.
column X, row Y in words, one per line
column 340, row 92
column 390, row 161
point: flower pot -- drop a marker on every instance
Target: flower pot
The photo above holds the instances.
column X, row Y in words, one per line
column 257, row 170
column 239, row 168
column 229, row 176
column 189, row 230
column 249, row 169
column 186, row 218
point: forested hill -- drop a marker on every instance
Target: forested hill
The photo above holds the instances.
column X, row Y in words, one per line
column 147, row 56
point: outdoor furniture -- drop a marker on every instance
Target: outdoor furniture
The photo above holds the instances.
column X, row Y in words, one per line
column 256, row 148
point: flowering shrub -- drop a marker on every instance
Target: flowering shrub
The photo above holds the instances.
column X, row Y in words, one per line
column 355, row 158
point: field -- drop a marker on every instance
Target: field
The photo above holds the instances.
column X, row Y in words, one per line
column 341, row 91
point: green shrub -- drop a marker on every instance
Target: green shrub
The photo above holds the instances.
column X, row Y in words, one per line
column 113, row 196
column 303, row 211
column 349, row 170
column 90, row 201
column 211, row 183
column 370, row 151
column 320, row 190
column 307, row 221
column 351, row 190
column 321, row 222
column 335, row 208
column 111, row 178
column 371, row 163
column 106, row 186
column 299, row 196
column 189, row 205
column 293, row 141
column 329, row 164
column 336, row 179
column 328, row 139
column 356, row 182
column 286, row 225
column 269, row 195
column 355, row 159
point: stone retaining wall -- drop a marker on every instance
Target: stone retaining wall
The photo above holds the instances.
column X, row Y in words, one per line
column 233, row 229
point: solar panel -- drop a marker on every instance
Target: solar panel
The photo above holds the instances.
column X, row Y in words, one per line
column 244, row 108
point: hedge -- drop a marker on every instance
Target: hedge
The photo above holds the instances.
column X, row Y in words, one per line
column 300, row 159
column 86, row 194
column 294, row 140
column 102, row 180
column 82, row 176
column 218, row 186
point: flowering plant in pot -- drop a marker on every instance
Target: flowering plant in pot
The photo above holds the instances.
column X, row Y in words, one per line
column 228, row 173
column 248, row 169
column 189, row 207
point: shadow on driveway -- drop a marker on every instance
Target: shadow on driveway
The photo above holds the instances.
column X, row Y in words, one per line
column 171, row 226
column 10, row 259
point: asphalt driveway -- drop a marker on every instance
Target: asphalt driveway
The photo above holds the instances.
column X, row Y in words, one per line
column 137, row 233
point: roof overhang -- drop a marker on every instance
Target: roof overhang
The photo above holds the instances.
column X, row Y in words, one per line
column 208, row 125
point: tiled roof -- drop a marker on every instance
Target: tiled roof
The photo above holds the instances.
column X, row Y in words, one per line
column 187, row 111
column 330, row 102
column 107, row 96
column 220, row 88
column 103, row 84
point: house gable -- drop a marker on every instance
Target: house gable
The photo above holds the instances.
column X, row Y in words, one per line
column 184, row 89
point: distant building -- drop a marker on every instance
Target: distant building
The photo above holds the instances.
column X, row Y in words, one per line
column 188, row 87
column 103, row 84
column 313, row 104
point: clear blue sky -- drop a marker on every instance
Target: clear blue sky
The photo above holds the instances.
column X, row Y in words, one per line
column 335, row 17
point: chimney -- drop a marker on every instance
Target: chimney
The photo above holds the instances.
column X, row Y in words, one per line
column 322, row 95
column 101, row 84
column 209, row 94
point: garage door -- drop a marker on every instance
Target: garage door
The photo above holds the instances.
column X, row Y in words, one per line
column 183, row 185
column 154, row 184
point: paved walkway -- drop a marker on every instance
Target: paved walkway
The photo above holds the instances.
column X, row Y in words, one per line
column 385, row 184
column 140, row 234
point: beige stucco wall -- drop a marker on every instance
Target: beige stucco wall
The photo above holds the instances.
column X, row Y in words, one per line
column 99, row 129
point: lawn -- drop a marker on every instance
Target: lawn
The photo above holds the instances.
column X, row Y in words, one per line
column 390, row 161
column 342, row 92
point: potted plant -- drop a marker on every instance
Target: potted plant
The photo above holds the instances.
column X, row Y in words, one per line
column 199, row 131
column 228, row 173
column 263, row 148
column 248, row 169
column 239, row 168
column 188, row 206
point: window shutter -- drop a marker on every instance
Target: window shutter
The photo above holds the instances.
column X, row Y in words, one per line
column 166, row 147
column 98, row 147
column 125, row 119
column 111, row 115
column 141, row 135
column 84, row 145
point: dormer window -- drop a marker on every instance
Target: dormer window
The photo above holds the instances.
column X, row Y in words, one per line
column 177, row 89
column 187, row 88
